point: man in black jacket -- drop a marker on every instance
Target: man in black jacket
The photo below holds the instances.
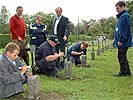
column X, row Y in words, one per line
column 46, row 57
column 61, row 28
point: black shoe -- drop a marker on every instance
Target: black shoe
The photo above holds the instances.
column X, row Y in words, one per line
column 51, row 75
column 129, row 73
column 120, row 74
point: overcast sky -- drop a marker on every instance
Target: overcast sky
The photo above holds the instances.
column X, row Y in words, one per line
column 73, row 9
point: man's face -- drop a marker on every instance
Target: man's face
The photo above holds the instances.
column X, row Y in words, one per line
column 19, row 11
column 119, row 9
column 58, row 12
column 53, row 44
column 39, row 21
column 13, row 56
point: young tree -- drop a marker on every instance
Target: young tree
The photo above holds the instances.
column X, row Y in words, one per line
column 4, row 20
column 129, row 7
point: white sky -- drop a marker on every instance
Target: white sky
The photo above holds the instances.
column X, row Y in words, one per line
column 73, row 9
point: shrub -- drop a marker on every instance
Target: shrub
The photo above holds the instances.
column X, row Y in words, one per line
column 5, row 39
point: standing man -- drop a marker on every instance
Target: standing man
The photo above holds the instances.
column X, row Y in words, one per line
column 18, row 33
column 61, row 28
column 122, row 38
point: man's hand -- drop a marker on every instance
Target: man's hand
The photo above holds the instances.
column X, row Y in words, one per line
column 61, row 54
column 64, row 38
column 119, row 44
column 82, row 53
column 29, row 74
column 24, row 69
column 19, row 38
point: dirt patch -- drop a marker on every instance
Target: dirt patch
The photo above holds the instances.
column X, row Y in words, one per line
column 43, row 96
column 52, row 96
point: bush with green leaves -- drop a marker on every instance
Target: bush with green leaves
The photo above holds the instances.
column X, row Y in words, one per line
column 6, row 38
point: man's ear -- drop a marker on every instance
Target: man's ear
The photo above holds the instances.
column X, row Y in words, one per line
column 8, row 53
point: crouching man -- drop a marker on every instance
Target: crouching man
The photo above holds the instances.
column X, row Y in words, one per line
column 11, row 77
column 76, row 51
column 46, row 57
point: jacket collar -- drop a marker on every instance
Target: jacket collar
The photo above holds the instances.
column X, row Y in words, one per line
column 7, row 62
column 3, row 57
column 118, row 15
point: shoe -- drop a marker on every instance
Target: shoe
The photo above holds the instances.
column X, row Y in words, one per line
column 52, row 75
column 128, row 73
column 78, row 65
column 120, row 74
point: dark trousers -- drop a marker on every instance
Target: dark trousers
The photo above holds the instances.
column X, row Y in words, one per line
column 46, row 67
column 122, row 58
column 23, row 53
column 60, row 61
column 75, row 60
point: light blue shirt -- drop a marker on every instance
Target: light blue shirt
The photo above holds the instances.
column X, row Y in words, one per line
column 11, row 60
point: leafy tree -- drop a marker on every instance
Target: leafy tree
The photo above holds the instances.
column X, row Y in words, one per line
column 4, row 20
column 82, row 27
column 129, row 7
column 47, row 20
column 71, row 27
column 108, row 25
column 95, row 29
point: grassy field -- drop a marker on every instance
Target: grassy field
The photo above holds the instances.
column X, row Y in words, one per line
column 93, row 83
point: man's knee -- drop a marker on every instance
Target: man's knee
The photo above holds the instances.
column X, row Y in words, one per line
column 51, row 72
column 40, row 67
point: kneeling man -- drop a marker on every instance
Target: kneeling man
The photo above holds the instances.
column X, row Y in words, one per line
column 11, row 77
column 46, row 57
column 76, row 51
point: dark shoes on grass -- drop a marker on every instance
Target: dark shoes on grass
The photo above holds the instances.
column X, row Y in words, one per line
column 122, row 74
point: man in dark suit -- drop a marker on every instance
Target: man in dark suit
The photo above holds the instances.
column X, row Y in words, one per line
column 61, row 28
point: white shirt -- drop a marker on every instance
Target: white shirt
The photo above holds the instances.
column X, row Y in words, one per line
column 56, row 24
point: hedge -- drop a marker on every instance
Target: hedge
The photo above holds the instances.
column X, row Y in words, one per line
column 5, row 38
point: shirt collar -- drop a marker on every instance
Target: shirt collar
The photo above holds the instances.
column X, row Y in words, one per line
column 10, row 59
column 59, row 17
column 118, row 15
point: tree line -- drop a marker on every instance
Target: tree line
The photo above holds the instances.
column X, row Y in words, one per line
column 91, row 28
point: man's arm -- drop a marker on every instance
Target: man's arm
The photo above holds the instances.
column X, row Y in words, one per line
column 53, row 57
column 124, row 27
column 67, row 29
column 12, row 27
column 7, row 77
column 23, row 68
column 76, row 53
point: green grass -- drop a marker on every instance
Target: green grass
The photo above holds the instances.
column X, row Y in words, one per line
column 94, row 83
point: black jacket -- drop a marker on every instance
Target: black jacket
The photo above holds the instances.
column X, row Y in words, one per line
column 63, row 29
